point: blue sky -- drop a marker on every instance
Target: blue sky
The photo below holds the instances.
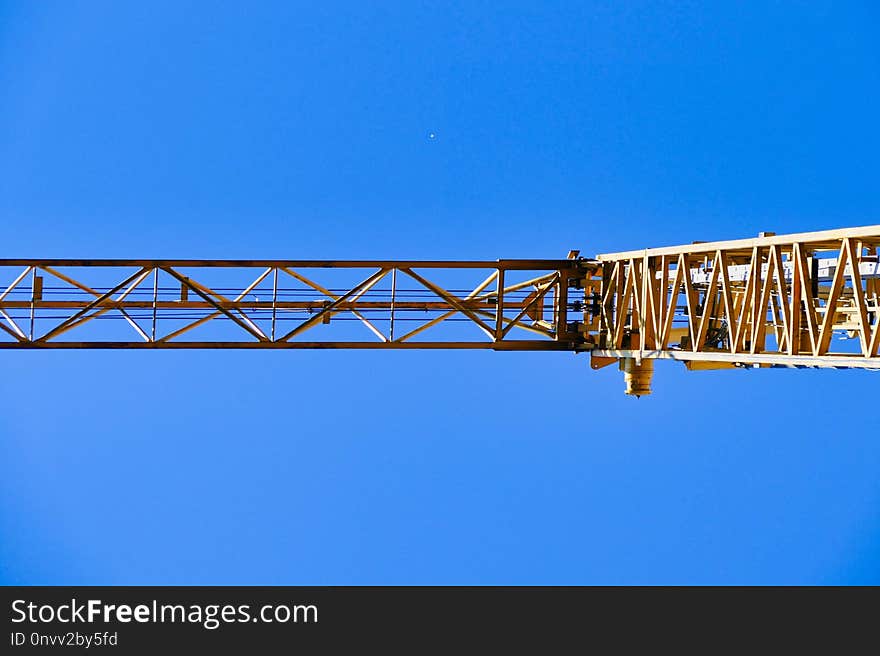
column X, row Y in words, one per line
column 290, row 130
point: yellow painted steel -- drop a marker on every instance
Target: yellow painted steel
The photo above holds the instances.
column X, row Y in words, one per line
column 769, row 301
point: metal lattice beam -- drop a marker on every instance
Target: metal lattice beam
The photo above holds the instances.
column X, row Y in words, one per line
column 773, row 300
column 802, row 300
column 275, row 304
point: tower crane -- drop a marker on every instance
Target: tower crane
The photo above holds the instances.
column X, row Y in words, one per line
column 800, row 300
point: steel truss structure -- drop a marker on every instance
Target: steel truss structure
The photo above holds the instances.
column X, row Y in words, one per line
column 769, row 301
column 763, row 302
column 519, row 305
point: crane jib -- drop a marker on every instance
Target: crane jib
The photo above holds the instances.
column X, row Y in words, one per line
column 769, row 301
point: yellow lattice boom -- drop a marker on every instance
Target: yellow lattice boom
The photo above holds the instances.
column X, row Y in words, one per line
column 800, row 300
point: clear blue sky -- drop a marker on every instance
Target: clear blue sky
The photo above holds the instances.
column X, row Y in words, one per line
column 300, row 130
